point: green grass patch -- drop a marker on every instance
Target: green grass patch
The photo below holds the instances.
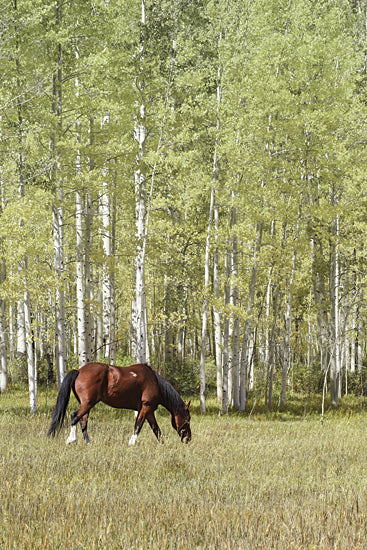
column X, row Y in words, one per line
column 241, row 483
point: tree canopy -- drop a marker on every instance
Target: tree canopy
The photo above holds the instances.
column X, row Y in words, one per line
column 167, row 158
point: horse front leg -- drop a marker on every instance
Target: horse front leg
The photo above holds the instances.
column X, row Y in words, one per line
column 139, row 421
column 154, row 425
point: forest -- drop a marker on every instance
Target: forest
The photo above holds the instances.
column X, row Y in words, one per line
column 183, row 183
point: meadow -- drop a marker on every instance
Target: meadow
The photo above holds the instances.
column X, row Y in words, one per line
column 260, row 481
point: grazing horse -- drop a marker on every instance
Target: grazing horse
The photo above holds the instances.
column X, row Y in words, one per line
column 137, row 387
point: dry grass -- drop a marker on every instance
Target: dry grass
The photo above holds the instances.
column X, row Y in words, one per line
column 239, row 484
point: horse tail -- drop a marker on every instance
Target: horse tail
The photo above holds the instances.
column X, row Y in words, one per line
column 62, row 402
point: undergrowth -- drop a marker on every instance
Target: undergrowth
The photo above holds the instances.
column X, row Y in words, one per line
column 276, row 480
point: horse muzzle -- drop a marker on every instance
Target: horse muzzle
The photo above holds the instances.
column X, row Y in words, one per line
column 185, row 437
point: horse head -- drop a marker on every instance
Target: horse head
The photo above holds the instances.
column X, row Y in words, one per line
column 181, row 423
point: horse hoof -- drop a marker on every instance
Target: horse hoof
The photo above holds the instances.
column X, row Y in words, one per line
column 133, row 439
column 69, row 441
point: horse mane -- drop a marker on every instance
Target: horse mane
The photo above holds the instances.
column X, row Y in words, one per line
column 169, row 396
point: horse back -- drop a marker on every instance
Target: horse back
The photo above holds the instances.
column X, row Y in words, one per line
column 118, row 387
column 129, row 387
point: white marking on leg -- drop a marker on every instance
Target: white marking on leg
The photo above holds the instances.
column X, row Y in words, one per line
column 133, row 439
column 133, row 373
column 136, row 414
column 72, row 436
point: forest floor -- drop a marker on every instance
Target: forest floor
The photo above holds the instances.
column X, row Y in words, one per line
column 244, row 482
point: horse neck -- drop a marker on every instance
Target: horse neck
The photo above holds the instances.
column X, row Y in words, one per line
column 170, row 399
column 168, row 404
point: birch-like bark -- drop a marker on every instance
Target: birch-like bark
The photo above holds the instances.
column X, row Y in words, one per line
column 360, row 335
column 271, row 365
column 139, row 316
column 334, row 318
column 236, row 320
column 32, row 380
column 143, row 203
column 80, row 247
column 3, row 337
column 353, row 323
column 80, row 288
column 81, row 325
column 288, row 323
column 216, row 314
column 21, row 345
column 248, row 321
column 58, row 215
column 106, row 284
column 89, row 343
column 58, row 234
column 320, row 302
column 20, row 160
column 268, row 299
column 99, row 322
column 205, row 305
column 3, row 329
column 227, row 371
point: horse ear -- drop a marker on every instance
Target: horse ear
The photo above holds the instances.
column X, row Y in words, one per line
column 187, row 405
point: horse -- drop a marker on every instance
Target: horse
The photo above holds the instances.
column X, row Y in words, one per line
column 137, row 387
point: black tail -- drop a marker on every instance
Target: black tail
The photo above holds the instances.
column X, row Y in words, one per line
column 62, row 402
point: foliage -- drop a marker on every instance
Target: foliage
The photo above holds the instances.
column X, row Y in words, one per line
column 275, row 91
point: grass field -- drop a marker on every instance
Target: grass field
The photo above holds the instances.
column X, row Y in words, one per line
column 282, row 482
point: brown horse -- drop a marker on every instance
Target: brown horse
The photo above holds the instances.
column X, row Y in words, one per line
column 137, row 387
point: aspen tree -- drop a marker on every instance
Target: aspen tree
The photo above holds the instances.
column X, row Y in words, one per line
column 288, row 321
column 139, row 305
column 3, row 335
column 57, row 208
column 205, row 305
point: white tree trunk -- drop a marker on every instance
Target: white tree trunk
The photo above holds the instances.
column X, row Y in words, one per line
column 216, row 314
column 139, row 313
column 3, row 332
column 21, row 346
column 32, row 379
column 106, row 284
column 248, row 321
column 99, row 322
column 205, row 306
column 334, row 319
column 81, row 325
column 360, row 335
column 268, row 297
column 288, row 324
column 59, row 298
column 3, row 339
column 227, row 373
column 89, row 325
column 236, row 320
column 58, row 216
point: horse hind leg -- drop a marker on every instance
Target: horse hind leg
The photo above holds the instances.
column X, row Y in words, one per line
column 84, row 426
column 79, row 415
column 72, row 435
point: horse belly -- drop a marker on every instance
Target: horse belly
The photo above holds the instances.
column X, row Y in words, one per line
column 123, row 390
column 122, row 400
